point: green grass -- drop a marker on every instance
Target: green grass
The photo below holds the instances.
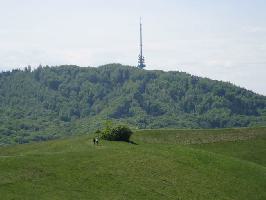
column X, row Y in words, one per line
column 73, row 168
column 252, row 150
column 243, row 143
column 197, row 136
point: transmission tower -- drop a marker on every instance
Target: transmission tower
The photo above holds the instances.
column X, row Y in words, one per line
column 141, row 62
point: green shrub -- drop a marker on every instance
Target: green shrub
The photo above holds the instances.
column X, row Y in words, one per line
column 119, row 133
column 98, row 132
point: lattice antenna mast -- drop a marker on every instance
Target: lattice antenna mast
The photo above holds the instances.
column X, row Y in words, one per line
column 141, row 62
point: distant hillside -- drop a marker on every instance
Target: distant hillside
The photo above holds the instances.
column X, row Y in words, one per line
column 53, row 101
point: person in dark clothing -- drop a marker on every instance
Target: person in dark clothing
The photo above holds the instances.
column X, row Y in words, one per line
column 94, row 141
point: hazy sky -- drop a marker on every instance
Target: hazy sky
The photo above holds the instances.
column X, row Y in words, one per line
column 224, row 40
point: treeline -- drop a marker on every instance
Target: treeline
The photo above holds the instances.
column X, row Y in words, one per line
column 49, row 102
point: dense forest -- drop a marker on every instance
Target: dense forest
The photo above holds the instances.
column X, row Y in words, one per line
column 50, row 102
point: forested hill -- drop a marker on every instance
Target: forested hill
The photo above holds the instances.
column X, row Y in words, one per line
column 52, row 101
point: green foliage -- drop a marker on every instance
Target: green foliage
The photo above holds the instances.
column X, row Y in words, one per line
column 118, row 133
column 98, row 132
column 50, row 102
column 108, row 127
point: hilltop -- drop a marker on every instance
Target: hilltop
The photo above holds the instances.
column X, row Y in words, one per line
column 158, row 167
column 50, row 102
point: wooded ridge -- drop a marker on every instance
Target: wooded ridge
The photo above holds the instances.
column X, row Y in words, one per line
column 49, row 102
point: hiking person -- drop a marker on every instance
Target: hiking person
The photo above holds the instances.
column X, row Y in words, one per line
column 94, row 141
column 97, row 141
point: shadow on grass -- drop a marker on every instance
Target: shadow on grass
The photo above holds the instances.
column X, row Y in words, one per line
column 132, row 142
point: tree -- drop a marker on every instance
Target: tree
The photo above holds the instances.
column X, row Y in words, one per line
column 67, row 99
column 118, row 133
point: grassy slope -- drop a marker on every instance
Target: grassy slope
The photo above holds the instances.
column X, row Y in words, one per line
column 252, row 150
column 245, row 143
column 197, row 136
column 75, row 169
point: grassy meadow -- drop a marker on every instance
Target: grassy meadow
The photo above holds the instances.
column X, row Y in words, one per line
column 163, row 164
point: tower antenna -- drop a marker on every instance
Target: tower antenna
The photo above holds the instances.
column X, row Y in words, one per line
column 141, row 62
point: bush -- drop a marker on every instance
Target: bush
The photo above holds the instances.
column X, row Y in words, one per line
column 98, row 132
column 119, row 133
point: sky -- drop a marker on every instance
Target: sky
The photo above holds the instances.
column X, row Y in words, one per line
column 222, row 40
